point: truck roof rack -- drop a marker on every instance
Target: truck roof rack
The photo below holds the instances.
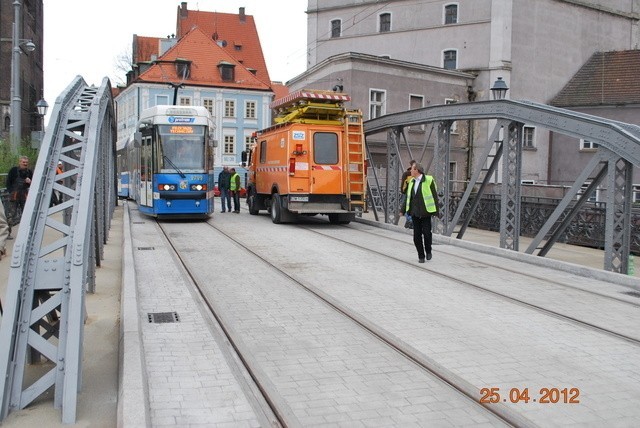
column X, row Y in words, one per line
column 311, row 106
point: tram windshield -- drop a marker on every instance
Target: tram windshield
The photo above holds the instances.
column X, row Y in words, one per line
column 181, row 147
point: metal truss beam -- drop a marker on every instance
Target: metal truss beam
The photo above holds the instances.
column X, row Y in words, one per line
column 56, row 251
column 621, row 140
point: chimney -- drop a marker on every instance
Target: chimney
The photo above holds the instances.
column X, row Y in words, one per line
column 183, row 9
column 243, row 17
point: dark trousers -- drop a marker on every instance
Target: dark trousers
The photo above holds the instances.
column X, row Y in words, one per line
column 422, row 236
column 225, row 194
column 236, row 200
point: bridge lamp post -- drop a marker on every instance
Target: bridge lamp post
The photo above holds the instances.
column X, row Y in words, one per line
column 42, row 106
column 15, row 129
column 499, row 89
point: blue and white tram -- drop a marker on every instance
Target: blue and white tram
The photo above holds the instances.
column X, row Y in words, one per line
column 171, row 160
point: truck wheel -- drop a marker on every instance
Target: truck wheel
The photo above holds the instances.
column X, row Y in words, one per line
column 252, row 203
column 276, row 209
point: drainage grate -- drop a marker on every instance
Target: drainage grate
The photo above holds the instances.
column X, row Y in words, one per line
column 163, row 317
column 632, row 293
column 138, row 222
column 146, row 248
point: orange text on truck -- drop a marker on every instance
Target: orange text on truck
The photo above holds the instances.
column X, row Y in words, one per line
column 312, row 161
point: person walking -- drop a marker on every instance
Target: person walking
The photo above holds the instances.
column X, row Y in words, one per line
column 235, row 190
column 421, row 204
column 4, row 231
column 224, row 183
column 404, row 183
column 18, row 182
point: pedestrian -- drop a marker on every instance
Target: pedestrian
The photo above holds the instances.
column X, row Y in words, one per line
column 406, row 177
column 224, row 184
column 421, row 204
column 56, row 197
column 18, row 182
column 4, row 231
column 235, row 190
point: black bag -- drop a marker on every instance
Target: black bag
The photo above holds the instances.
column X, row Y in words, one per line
column 408, row 224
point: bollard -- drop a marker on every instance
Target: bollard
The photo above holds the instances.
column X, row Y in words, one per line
column 631, row 269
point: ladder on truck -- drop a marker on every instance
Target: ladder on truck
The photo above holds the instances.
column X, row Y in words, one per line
column 355, row 160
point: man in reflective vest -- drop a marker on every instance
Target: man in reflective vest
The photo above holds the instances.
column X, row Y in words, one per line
column 235, row 190
column 421, row 204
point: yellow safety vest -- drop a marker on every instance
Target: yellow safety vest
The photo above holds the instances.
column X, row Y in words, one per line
column 429, row 202
column 234, row 186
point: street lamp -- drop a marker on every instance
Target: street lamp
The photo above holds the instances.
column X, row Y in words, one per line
column 15, row 129
column 42, row 106
column 499, row 89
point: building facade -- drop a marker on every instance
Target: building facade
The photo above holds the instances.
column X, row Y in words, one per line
column 31, row 64
column 212, row 60
column 535, row 46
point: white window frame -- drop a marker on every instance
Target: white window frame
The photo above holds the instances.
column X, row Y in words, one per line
column 331, row 36
column 450, row 50
column 593, row 198
column 444, row 13
column 454, row 125
column 184, row 101
column 228, row 140
column 421, row 127
column 229, row 106
column 635, row 193
column 247, row 143
column 162, row 97
column 209, row 104
column 453, row 173
column 380, row 22
column 588, row 144
column 382, row 104
column 248, row 109
column 533, row 137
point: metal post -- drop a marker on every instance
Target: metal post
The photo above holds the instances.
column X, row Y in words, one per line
column 15, row 128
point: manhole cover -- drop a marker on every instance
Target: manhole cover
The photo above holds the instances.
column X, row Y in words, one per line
column 162, row 317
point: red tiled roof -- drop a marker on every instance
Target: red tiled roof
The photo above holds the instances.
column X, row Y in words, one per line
column 607, row 78
column 238, row 31
column 144, row 47
column 279, row 90
column 205, row 56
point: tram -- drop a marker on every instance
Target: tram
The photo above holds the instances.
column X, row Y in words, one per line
column 168, row 163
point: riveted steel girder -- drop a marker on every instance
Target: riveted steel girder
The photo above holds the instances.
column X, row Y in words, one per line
column 54, row 256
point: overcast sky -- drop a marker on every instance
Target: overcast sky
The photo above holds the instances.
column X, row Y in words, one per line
column 85, row 38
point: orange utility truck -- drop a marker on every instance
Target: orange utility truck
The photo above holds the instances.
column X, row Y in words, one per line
column 312, row 161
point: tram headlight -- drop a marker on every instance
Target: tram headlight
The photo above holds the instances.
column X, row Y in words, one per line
column 166, row 187
column 198, row 187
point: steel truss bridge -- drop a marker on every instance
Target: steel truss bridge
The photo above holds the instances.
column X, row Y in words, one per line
column 612, row 163
column 50, row 272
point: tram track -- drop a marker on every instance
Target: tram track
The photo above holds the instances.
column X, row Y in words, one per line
column 521, row 302
column 455, row 382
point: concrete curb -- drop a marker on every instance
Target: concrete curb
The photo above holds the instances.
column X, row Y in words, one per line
column 572, row 268
column 133, row 407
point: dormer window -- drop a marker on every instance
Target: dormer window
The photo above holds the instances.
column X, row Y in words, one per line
column 183, row 68
column 227, row 71
column 237, row 47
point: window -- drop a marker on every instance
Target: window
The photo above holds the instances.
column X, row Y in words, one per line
column 336, row 28
column 454, row 125
column 377, row 103
column 250, row 110
column 325, row 148
column 247, row 143
column 229, row 108
column 528, row 182
column 588, row 145
column 162, row 100
column 227, row 71
column 453, row 170
column 528, row 137
column 635, row 192
column 229, row 144
column 415, row 102
column 208, row 104
column 185, row 101
column 451, row 14
column 450, row 59
column 263, row 151
column 7, row 123
column 594, row 195
column 183, row 69
column 385, row 22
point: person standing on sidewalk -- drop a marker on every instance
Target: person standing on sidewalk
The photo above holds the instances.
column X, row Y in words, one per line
column 4, row 231
column 422, row 204
column 235, row 190
column 224, row 183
